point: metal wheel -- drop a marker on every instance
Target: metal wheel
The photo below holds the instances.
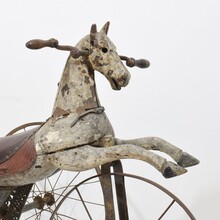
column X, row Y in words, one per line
column 83, row 201
column 52, row 199
column 47, row 194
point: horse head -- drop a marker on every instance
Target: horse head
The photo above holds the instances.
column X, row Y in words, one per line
column 100, row 54
column 104, row 58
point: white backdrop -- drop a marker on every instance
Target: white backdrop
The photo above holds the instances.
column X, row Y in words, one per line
column 177, row 98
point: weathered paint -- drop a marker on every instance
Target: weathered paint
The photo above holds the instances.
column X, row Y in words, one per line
column 67, row 141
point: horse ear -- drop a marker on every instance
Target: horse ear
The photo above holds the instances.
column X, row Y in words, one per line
column 93, row 29
column 93, row 33
column 105, row 28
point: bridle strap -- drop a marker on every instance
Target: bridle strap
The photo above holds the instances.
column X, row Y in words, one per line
column 98, row 110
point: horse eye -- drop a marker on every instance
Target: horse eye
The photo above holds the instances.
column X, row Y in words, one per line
column 104, row 50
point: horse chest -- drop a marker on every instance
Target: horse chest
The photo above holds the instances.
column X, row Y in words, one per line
column 90, row 129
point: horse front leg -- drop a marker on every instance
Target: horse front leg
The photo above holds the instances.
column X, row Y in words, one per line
column 87, row 157
column 154, row 143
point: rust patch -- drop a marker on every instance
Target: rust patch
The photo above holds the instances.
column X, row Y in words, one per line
column 93, row 91
column 97, row 61
column 84, row 71
column 59, row 112
column 110, row 72
column 90, row 103
column 65, row 90
column 86, row 80
column 80, row 109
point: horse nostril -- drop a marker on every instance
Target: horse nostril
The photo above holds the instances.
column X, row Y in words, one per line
column 124, row 78
column 123, row 81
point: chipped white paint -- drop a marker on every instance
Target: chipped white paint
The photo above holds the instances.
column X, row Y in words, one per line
column 91, row 141
column 87, row 157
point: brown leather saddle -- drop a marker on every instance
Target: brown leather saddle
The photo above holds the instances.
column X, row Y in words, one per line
column 17, row 152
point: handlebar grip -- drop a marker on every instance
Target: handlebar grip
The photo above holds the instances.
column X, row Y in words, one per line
column 142, row 63
column 38, row 44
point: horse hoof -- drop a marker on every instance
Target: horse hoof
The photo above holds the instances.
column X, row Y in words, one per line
column 172, row 170
column 186, row 160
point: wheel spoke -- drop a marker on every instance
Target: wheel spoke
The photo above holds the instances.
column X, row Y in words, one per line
column 88, row 202
column 59, row 215
column 82, row 201
column 166, row 210
column 57, row 180
column 67, row 186
column 80, row 196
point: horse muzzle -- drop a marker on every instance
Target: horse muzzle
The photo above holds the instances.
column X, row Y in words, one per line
column 119, row 82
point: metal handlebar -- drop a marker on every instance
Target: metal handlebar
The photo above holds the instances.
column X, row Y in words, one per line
column 53, row 43
column 131, row 62
column 76, row 53
column 38, row 44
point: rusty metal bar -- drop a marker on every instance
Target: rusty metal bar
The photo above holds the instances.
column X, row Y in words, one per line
column 23, row 127
column 180, row 203
column 30, row 206
column 120, row 191
column 106, row 183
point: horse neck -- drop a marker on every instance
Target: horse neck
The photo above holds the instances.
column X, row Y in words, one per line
column 77, row 90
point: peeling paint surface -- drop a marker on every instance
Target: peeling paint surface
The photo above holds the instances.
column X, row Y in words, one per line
column 73, row 140
column 88, row 130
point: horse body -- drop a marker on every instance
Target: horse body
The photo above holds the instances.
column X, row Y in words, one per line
column 78, row 136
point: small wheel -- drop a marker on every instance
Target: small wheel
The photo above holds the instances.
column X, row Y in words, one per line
column 46, row 194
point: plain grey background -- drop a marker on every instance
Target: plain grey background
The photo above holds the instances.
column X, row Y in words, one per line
column 177, row 98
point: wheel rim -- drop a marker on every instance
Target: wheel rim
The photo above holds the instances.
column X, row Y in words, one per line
column 160, row 215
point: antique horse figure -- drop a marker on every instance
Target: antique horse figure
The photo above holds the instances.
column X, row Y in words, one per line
column 78, row 136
